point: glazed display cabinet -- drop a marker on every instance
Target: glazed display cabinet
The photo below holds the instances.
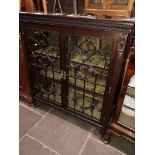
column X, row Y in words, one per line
column 121, row 8
column 75, row 64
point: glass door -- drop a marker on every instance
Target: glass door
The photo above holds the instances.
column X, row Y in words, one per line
column 88, row 60
column 44, row 59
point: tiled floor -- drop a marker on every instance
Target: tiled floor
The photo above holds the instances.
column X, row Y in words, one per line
column 48, row 131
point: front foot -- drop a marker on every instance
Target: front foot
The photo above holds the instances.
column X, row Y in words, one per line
column 106, row 138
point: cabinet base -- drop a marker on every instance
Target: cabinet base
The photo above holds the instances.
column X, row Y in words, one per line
column 116, row 129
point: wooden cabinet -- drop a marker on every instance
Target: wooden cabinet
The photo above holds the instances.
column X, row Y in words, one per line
column 121, row 8
column 27, row 5
column 123, row 122
column 75, row 64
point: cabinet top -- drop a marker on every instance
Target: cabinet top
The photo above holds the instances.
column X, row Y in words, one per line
column 79, row 21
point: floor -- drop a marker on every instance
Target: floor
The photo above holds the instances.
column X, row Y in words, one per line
column 48, row 131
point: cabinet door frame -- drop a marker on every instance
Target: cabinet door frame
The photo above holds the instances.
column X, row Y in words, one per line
column 25, row 92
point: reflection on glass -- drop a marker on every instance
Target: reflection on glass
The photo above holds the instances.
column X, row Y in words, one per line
column 120, row 2
column 127, row 116
column 95, row 1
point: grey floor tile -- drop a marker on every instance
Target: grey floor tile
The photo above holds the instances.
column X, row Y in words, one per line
column 66, row 133
column 28, row 146
column 118, row 142
column 72, row 119
column 60, row 134
column 96, row 133
column 94, row 148
column 39, row 107
column 123, row 144
column 27, row 119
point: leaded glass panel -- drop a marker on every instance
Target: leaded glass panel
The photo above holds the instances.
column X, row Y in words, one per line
column 44, row 55
column 88, row 66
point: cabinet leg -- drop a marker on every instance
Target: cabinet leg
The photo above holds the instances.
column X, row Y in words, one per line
column 29, row 101
column 106, row 136
column 26, row 98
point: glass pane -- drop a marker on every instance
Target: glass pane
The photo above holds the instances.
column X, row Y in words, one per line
column 131, row 91
column 95, row 1
column 129, row 102
column 88, row 66
column 120, row 2
column 127, row 117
